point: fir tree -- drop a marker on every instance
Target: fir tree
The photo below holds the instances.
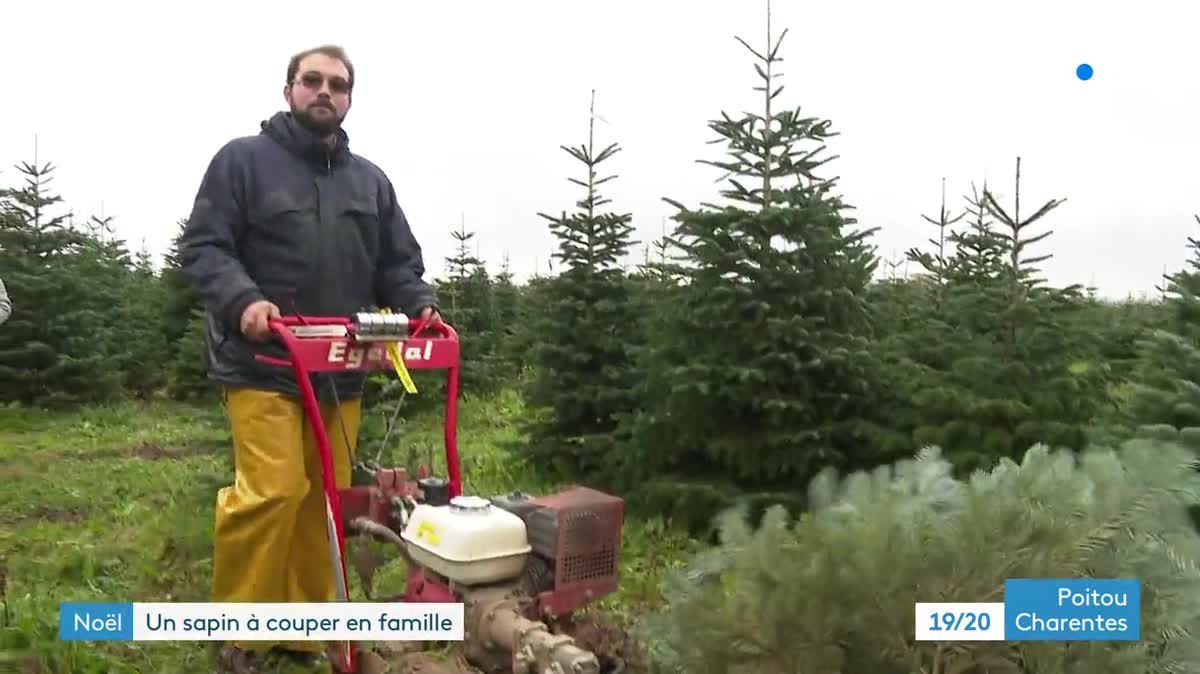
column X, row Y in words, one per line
column 145, row 304
column 1164, row 399
column 936, row 263
column 183, row 327
column 994, row 366
column 1120, row 326
column 469, row 305
column 462, row 265
column 530, row 312
column 124, row 289
column 581, row 376
column 506, row 311
column 182, row 300
column 653, row 275
column 55, row 347
column 759, row 369
column 124, row 306
column 912, row 330
column 911, row 312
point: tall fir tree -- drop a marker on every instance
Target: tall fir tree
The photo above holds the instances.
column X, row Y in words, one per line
column 580, row 384
column 759, row 370
column 992, row 367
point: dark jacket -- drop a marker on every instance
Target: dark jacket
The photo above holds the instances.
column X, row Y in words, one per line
column 281, row 217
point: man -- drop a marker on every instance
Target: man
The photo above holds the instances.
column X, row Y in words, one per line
column 289, row 221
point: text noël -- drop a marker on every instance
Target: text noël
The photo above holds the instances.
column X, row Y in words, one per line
column 88, row 623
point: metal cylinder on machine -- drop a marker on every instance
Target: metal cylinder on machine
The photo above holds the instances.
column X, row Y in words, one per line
column 379, row 326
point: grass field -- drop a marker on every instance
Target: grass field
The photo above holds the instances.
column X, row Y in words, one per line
column 115, row 504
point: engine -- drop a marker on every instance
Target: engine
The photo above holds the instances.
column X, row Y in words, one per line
column 564, row 547
column 517, row 562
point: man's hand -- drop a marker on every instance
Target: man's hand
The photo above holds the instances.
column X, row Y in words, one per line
column 255, row 319
column 431, row 315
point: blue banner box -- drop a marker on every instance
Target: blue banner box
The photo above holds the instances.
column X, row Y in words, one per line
column 86, row 621
column 1072, row 609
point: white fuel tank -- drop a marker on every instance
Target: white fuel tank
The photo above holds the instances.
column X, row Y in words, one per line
column 469, row 541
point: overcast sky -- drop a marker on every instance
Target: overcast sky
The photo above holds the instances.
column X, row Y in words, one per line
column 465, row 105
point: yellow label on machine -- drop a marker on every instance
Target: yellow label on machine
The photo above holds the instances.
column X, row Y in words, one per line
column 401, row 368
column 399, row 365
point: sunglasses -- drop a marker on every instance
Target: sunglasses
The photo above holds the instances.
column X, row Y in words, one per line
column 314, row 80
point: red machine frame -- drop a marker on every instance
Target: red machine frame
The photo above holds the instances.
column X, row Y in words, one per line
column 584, row 548
column 346, row 353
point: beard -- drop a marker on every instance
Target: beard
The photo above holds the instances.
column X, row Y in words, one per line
column 323, row 123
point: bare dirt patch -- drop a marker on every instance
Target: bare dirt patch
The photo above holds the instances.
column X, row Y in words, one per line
column 58, row 514
column 30, row 664
column 152, row 452
column 418, row 662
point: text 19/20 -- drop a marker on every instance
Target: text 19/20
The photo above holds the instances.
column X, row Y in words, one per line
column 960, row 621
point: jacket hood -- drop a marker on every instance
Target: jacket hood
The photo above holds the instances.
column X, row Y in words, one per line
column 283, row 128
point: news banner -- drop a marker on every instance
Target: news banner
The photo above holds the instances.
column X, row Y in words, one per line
column 1075, row 609
column 1040, row 609
column 182, row 621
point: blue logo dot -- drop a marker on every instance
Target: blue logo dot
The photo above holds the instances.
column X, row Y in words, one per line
column 1084, row 71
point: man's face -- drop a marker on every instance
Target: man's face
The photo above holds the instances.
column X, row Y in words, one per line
column 319, row 95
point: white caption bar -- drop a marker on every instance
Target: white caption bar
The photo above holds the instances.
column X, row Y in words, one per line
column 337, row 621
column 960, row 621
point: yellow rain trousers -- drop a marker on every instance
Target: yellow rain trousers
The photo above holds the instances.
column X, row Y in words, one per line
column 269, row 537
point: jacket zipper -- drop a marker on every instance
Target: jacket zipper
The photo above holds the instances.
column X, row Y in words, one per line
column 323, row 223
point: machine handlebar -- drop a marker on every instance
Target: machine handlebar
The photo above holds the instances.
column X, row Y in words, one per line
column 362, row 342
column 362, row 324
